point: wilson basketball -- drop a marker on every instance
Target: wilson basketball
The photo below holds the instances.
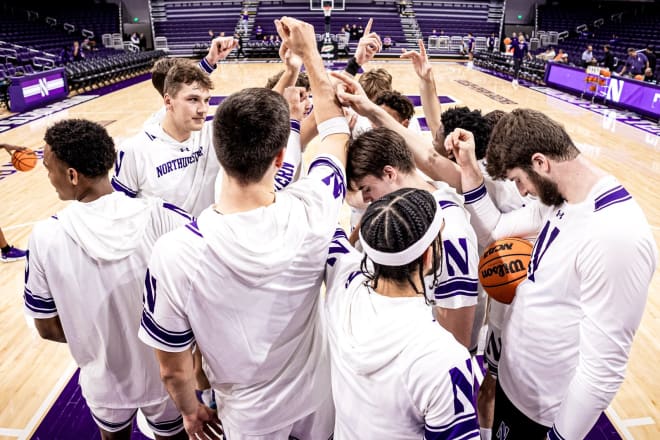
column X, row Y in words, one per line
column 507, row 41
column 24, row 160
column 503, row 266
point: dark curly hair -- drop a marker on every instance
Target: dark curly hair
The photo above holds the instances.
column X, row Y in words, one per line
column 83, row 145
column 393, row 223
column 470, row 120
column 397, row 102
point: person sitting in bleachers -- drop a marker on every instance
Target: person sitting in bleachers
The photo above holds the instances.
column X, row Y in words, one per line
column 387, row 42
column 77, row 53
column 548, row 55
column 561, row 57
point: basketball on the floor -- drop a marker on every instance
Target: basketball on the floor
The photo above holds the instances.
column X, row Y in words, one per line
column 24, row 160
column 503, row 266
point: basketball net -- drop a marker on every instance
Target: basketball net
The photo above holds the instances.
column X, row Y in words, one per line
column 327, row 10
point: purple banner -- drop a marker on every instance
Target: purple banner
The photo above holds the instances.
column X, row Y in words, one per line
column 627, row 93
column 31, row 91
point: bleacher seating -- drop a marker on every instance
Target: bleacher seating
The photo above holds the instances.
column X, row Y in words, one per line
column 457, row 18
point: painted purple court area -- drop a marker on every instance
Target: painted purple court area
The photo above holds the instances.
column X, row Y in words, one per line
column 69, row 418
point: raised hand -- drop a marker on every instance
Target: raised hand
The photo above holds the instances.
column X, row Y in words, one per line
column 291, row 61
column 368, row 46
column 296, row 98
column 297, row 35
column 460, row 144
column 220, row 49
column 350, row 93
column 420, row 61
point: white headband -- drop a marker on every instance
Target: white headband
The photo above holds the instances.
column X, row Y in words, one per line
column 410, row 254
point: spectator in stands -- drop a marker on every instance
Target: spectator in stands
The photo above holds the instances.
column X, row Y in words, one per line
column 548, row 55
column 135, row 39
column 588, row 58
column 77, row 54
column 636, row 63
column 65, row 55
column 143, row 42
column 491, row 42
column 614, row 39
column 387, row 42
column 259, row 33
column 648, row 76
column 211, row 35
column 360, row 32
column 354, row 32
column 245, row 18
column 402, row 7
column 608, row 58
column 650, row 55
column 561, row 57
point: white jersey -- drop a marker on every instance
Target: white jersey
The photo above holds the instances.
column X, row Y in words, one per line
column 87, row 266
column 569, row 329
column 459, row 280
column 153, row 164
column 396, row 374
column 246, row 287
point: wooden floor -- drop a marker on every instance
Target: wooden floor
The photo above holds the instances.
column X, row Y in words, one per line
column 32, row 370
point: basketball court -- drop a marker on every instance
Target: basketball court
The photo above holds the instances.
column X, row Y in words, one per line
column 33, row 372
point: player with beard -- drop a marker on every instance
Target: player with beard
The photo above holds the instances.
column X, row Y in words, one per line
column 569, row 330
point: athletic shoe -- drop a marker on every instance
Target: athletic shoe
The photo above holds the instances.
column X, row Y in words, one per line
column 13, row 254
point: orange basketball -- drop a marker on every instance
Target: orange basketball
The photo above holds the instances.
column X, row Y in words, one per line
column 503, row 266
column 507, row 41
column 24, row 160
column 639, row 77
column 605, row 72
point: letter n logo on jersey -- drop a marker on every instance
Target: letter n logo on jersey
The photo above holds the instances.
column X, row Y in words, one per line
column 540, row 248
column 120, row 159
column 453, row 253
column 150, row 292
column 502, row 431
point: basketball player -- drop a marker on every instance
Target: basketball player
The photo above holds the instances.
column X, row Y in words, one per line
column 586, row 286
column 7, row 252
column 398, row 106
column 243, row 281
column 85, row 275
column 395, row 373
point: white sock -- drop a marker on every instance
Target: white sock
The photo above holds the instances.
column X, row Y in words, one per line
column 486, row 433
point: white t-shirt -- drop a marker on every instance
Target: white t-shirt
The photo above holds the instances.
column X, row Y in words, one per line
column 459, row 278
column 567, row 335
column 245, row 287
column 153, row 164
column 396, row 374
column 87, row 266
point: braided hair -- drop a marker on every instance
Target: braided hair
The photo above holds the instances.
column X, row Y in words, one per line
column 392, row 224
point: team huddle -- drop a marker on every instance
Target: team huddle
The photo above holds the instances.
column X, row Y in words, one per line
column 215, row 247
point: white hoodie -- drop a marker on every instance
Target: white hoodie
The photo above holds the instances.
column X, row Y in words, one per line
column 87, row 265
column 396, row 374
column 245, row 287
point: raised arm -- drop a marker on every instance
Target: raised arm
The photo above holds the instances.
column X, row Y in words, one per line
column 427, row 89
column 429, row 161
column 218, row 51
column 301, row 40
column 292, row 64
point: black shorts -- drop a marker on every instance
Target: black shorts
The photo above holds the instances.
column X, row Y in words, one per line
column 511, row 424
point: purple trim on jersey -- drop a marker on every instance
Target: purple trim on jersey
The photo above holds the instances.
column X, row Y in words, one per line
column 192, row 227
column 475, row 195
column 611, row 197
column 168, row 425
column 447, row 204
column 340, row 184
column 178, row 210
column 206, row 66
column 456, row 286
column 150, row 136
column 54, row 216
column 118, row 186
column 164, row 336
column 295, row 125
column 38, row 304
column 553, row 434
column 114, row 426
column 464, row 427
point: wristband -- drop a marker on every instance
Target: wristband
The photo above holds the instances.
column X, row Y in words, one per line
column 336, row 125
column 352, row 67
